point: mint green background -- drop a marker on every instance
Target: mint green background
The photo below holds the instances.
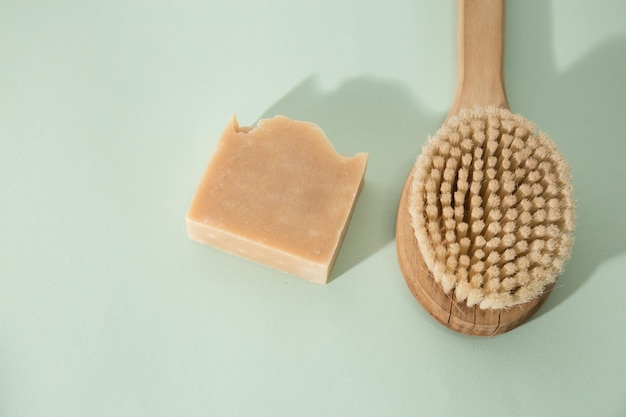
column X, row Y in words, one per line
column 109, row 112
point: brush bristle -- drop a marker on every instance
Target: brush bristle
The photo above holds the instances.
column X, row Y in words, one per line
column 492, row 208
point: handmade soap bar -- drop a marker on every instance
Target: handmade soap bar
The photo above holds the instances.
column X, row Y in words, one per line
column 278, row 194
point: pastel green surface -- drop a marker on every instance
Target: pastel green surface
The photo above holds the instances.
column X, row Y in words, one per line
column 109, row 112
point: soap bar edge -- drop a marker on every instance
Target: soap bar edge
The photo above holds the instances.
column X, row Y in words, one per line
column 212, row 236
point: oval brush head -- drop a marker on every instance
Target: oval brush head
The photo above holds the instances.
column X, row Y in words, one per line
column 492, row 209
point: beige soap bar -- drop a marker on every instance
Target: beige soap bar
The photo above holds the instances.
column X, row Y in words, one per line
column 278, row 194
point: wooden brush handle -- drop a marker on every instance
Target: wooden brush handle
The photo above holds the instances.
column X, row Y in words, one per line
column 480, row 55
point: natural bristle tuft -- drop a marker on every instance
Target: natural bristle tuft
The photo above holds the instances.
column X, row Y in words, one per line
column 492, row 208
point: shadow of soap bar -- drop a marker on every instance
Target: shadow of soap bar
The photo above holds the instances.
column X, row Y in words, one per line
column 278, row 194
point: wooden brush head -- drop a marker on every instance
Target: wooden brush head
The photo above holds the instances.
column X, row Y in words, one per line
column 492, row 209
column 488, row 260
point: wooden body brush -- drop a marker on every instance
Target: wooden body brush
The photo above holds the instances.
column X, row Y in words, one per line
column 485, row 219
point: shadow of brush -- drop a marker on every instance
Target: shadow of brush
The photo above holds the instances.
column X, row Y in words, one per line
column 581, row 108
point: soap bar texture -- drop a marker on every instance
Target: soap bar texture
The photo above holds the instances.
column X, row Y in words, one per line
column 278, row 194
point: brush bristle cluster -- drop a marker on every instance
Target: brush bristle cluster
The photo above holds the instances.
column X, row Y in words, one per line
column 492, row 208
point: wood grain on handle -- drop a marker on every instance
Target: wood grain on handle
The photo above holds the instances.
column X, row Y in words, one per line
column 480, row 55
